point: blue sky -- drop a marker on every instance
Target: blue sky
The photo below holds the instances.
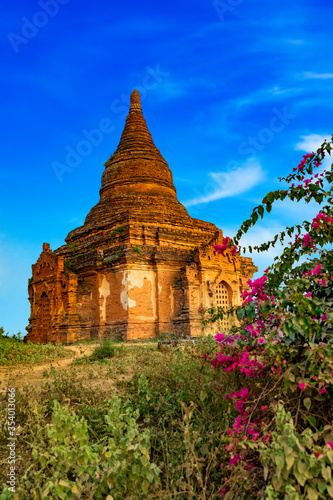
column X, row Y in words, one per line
column 234, row 93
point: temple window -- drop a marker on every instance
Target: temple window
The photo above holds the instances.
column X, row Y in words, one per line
column 223, row 298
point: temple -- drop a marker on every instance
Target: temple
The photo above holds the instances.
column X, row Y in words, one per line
column 139, row 265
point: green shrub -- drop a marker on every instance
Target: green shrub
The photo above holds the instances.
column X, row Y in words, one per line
column 67, row 465
column 102, row 352
column 299, row 466
column 106, row 350
column 14, row 351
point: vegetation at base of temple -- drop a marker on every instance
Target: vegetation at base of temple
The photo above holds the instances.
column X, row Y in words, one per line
column 134, row 426
column 101, row 353
column 247, row 414
column 14, row 351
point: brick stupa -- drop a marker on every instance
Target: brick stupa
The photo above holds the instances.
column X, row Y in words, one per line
column 140, row 265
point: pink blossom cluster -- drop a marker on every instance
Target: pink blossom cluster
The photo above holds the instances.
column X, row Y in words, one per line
column 311, row 180
column 306, row 159
column 321, row 217
column 243, row 428
column 307, row 240
column 257, row 290
column 254, row 332
column 316, row 270
column 229, row 339
column 241, row 360
column 303, row 386
column 226, row 243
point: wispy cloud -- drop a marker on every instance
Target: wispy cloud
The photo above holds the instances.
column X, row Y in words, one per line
column 311, row 142
column 309, row 75
column 229, row 184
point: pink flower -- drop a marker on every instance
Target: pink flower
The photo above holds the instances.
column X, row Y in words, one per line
column 330, row 444
column 323, row 317
column 234, row 460
column 261, row 340
column 302, row 386
column 322, row 391
column 263, row 408
column 308, row 294
column 223, row 492
column 306, row 240
column 317, row 269
column 244, row 393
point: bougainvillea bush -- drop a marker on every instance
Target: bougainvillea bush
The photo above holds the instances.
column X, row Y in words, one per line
column 280, row 444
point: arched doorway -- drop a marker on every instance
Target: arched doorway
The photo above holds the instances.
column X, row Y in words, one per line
column 223, row 298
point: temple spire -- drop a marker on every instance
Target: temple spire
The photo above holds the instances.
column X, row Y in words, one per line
column 137, row 179
column 135, row 102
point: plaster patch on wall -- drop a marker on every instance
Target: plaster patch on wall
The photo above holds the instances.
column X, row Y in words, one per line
column 159, row 288
column 124, row 293
column 172, row 301
column 104, row 292
column 136, row 279
column 131, row 303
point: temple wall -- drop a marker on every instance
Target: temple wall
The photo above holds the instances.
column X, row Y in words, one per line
column 137, row 299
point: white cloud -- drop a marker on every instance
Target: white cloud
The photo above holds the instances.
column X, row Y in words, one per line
column 229, row 184
column 309, row 75
column 311, row 142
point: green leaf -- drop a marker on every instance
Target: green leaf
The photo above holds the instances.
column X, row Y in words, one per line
column 312, row 494
column 64, row 483
column 301, row 466
column 326, row 473
column 290, row 459
column 240, row 314
column 261, row 211
column 145, row 487
column 322, row 486
column 279, row 460
column 300, row 477
column 203, row 395
column 313, row 420
column 307, row 403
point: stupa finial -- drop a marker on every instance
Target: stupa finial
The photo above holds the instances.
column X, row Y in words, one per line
column 135, row 102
